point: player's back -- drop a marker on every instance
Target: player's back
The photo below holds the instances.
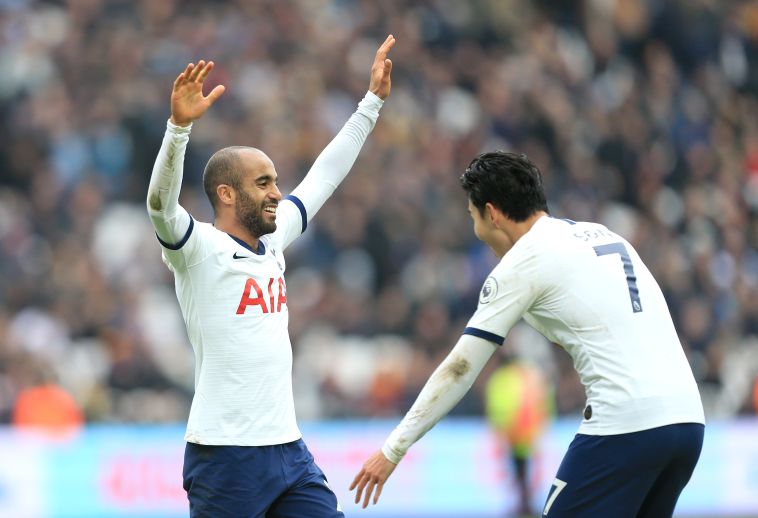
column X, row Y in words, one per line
column 596, row 298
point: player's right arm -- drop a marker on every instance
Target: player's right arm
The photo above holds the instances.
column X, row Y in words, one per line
column 504, row 298
column 172, row 222
column 338, row 157
column 445, row 388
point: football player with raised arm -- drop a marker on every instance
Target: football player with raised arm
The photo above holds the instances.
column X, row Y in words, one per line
column 244, row 454
column 584, row 287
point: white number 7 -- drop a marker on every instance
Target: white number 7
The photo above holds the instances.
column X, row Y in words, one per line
column 558, row 486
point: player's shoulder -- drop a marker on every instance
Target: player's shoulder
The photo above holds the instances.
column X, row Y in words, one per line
column 204, row 236
column 554, row 243
column 589, row 230
column 563, row 234
column 542, row 239
column 217, row 242
column 567, row 227
column 208, row 232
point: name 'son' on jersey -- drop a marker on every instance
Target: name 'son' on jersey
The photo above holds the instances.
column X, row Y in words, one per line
column 253, row 296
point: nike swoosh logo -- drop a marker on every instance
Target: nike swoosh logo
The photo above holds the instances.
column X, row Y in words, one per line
column 240, row 256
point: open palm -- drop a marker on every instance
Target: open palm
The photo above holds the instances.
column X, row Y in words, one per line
column 187, row 100
column 381, row 70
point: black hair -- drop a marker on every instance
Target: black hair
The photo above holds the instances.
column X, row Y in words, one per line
column 509, row 181
column 222, row 168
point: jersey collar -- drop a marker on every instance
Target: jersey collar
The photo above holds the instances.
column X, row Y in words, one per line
column 261, row 248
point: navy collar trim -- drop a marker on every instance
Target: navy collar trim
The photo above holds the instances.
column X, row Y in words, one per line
column 261, row 248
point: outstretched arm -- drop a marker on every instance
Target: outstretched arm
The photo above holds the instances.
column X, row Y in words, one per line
column 445, row 388
column 170, row 220
column 335, row 161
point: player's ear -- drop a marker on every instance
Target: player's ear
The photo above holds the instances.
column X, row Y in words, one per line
column 490, row 214
column 226, row 194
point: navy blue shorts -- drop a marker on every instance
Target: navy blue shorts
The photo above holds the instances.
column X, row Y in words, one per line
column 280, row 481
column 637, row 475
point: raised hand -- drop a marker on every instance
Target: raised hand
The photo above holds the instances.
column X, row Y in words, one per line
column 375, row 472
column 381, row 69
column 187, row 100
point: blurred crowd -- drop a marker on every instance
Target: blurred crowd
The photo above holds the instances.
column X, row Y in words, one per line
column 642, row 115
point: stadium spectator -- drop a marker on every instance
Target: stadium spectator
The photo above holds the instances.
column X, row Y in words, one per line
column 518, row 406
column 49, row 408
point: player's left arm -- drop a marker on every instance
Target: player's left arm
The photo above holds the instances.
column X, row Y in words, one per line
column 445, row 388
column 335, row 161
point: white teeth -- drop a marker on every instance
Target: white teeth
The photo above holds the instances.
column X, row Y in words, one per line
column 270, row 210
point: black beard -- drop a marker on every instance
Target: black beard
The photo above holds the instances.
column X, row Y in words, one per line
column 250, row 215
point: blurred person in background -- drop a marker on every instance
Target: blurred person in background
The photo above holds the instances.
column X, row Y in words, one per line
column 245, row 455
column 584, row 287
column 518, row 407
column 43, row 405
column 49, row 408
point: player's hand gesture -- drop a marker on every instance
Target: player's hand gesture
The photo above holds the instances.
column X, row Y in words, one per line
column 381, row 83
column 187, row 100
column 375, row 472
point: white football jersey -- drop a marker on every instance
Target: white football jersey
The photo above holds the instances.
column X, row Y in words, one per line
column 585, row 288
column 234, row 302
column 234, row 299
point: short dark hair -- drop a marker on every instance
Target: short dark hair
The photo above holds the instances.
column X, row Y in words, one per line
column 509, row 181
column 222, row 168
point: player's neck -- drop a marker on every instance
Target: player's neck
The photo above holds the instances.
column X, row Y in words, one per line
column 515, row 230
column 522, row 227
column 235, row 229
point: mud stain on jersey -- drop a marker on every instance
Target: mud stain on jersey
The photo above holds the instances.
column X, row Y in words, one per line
column 155, row 202
column 458, row 368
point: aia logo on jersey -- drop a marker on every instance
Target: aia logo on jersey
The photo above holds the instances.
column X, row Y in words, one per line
column 253, row 296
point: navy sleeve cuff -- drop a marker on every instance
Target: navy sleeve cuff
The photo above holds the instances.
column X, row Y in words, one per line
column 301, row 207
column 180, row 244
column 485, row 335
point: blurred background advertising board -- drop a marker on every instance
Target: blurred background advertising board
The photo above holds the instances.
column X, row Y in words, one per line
column 454, row 471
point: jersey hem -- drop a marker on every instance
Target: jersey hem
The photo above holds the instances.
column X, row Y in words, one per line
column 238, row 441
column 638, row 426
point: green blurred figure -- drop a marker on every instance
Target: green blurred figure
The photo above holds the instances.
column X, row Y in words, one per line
column 519, row 404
